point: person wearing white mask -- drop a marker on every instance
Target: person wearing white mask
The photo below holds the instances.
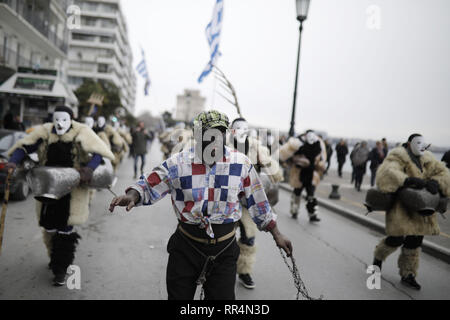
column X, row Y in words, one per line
column 69, row 144
column 112, row 139
column 261, row 158
column 89, row 121
column 409, row 166
column 307, row 159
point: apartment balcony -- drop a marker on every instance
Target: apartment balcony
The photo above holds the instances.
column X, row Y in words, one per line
column 9, row 58
column 32, row 27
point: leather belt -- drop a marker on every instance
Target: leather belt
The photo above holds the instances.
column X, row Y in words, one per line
column 207, row 241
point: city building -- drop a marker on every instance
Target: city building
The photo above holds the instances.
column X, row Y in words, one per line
column 189, row 105
column 100, row 49
column 33, row 58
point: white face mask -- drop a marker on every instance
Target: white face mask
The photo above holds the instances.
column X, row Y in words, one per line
column 311, row 138
column 418, row 146
column 101, row 122
column 240, row 131
column 61, row 122
column 89, row 121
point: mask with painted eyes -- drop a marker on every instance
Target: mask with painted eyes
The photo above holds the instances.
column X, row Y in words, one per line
column 240, row 131
column 311, row 138
column 62, row 122
column 89, row 121
column 418, row 146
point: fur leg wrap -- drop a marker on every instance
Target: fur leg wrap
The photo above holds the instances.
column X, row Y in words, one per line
column 408, row 262
column 63, row 251
column 382, row 250
column 295, row 204
column 246, row 258
column 47, row 237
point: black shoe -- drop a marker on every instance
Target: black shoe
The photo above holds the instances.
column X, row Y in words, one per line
column 59, row 280
column 294, row 216
column 247, row 281
column 377, row 263
column 411, row 282
column 314, row 218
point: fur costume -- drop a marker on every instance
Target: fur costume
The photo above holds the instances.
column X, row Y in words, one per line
column 84, row 142
column 260, row 156
column 116, row 143
column 382, row 250
column 392, row 174
column 63, row 251
column 295, row 204
column 288, row 150
column 247, row 257
column 408, row 262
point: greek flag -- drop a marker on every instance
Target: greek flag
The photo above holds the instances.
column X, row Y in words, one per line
column 213, row 36
column 142, row 70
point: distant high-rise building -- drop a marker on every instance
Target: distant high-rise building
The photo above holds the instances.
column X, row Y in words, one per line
column 189, row 105
column 100, row 49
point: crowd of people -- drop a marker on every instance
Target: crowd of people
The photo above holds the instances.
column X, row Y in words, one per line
column 220, row 181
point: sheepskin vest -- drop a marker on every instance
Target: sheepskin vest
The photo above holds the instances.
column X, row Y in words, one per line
column 391, row 175
column 79, row 142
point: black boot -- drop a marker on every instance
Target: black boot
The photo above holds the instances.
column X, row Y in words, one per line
column 411, row 282
column 62, row 256
column 377, row 263
column 311, row 208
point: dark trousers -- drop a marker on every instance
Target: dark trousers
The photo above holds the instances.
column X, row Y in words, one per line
column 142, row 156
column 373, row 176
column 185, row 266
column 408, row 242
column 310, row 190
column 359, row 175
column 340, row 165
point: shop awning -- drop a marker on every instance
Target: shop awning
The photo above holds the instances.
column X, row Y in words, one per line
column 38, row 86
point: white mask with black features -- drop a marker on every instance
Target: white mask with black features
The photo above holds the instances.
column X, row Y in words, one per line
column 89, row 121
column 101, row 122
column 418, row 146
column 61, row 122
column 240, row 131
column 311, row 138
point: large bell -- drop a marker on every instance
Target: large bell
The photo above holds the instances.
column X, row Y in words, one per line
column 419, row 200
column 52, row 183
column 378, row 201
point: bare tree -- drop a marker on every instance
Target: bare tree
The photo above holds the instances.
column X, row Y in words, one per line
column 228, row 87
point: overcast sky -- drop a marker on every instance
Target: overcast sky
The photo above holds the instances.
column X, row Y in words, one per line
column 355, row 80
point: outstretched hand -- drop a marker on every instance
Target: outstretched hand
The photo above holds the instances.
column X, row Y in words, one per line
column 129, row 201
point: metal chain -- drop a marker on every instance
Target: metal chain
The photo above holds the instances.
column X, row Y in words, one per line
column 298, row 282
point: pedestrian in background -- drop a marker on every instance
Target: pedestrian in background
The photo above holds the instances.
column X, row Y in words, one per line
column 359, row 157
column 341, row 152
column 446, row 158
column 385, row 146
column 329, row 149
column 376, row 157
column 139, row 146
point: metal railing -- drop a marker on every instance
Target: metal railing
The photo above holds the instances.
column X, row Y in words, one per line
column 10, row 58
column 40, row 24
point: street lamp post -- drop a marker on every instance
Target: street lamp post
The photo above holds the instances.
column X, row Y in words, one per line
column 302, row 13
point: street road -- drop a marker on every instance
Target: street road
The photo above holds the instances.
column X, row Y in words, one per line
column 123, row 255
